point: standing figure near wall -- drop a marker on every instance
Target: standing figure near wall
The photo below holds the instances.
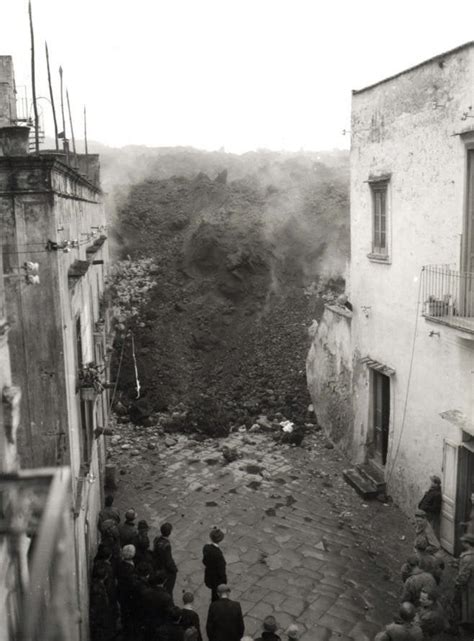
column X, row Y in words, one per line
column 469, row 525
column 431, row 503
column 424, row 533
column 464, row 582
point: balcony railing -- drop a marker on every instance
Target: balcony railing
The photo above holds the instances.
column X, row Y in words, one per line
column 448, row 296
column 36, row 543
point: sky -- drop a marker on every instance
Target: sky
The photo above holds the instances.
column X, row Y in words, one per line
column 237, row 74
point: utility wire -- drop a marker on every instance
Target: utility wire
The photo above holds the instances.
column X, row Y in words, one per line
column 410, row 371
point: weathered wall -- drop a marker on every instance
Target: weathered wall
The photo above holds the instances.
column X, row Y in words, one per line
column 42, row 199
column 328, row 372
column 407, row 127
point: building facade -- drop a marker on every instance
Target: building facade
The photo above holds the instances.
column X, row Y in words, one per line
column 412, row 284
column 55, row 254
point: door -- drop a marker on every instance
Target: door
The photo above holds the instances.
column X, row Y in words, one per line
column 381, row 415
column 448, row 506
column 465, row 487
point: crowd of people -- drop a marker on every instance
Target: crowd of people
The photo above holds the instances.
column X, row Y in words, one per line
column 132, row 592
column 427, row 607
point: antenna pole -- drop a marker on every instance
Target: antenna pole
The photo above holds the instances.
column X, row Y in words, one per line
column 70, row 123
column 85, row 131
column 33, row 79
column 51, row 95
column 65, row 143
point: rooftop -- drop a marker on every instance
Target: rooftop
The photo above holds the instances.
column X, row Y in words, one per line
column 437, row 58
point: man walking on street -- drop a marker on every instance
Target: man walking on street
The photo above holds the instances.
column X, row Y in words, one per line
column 214, row 562
column 163, row 557
column 224, row 620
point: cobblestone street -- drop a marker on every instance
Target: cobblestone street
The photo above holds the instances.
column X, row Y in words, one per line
column 300, row 544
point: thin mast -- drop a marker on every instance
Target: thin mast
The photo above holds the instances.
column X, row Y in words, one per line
column 85, row 131
column 51, row 95
column 33, row 79
column 70, row 123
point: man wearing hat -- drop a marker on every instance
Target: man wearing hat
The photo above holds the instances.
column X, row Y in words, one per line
column 404, row 628
column 431, row 503
column 128, row 530
column 269, row 630
column 214, row 562
column 224, row 619
column 464, row 582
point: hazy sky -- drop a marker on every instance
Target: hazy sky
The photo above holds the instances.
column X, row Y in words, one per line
column 241, row 74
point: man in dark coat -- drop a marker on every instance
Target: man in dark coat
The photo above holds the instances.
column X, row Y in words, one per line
column 224, row 619
column 171, row 630
column 163, row 557
column 189, row 617
column 103, row 558
column 126, row 579
column 214, row 562
column 109, row 512
column 102, row 616
column 140, row 588
column 431, row 503
column 269, row 630
column 128, row 530
column 156, row 603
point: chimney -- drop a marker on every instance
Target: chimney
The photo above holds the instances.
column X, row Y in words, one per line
column 8, row 113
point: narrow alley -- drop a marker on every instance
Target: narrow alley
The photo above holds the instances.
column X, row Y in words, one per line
column 300, row 544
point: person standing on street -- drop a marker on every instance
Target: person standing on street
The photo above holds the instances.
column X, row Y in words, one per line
column 128, row 530
column 163, row 557
column 424, row 533
column 406, row 629
column 214, row 562
column 431, row 503
column 189, row 617
column 109, row 512
column 269, row 630
column 464, row 582
column 225, row 621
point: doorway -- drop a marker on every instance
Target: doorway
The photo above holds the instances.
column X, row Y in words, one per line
column 381, row 416
column 465, row 489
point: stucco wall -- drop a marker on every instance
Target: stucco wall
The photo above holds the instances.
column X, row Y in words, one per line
column 407, row 127
column 328, row 373
column 42, row 199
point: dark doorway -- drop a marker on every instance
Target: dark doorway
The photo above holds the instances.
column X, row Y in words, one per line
column 464, row 490
column 381, row 416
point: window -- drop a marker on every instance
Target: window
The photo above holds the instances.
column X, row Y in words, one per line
column 379, row 189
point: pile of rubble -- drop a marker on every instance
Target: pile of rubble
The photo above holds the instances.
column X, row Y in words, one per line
column 220, row 337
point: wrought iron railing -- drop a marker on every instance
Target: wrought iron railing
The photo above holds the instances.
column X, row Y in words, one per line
column 35, row 529
column 448, row 296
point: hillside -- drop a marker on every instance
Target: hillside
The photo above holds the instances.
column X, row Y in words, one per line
column 240, row 262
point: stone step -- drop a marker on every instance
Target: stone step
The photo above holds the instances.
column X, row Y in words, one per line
column 372, row 474
column 366, row 488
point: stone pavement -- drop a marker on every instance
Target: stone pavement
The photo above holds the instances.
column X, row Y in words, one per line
column 299, row 544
